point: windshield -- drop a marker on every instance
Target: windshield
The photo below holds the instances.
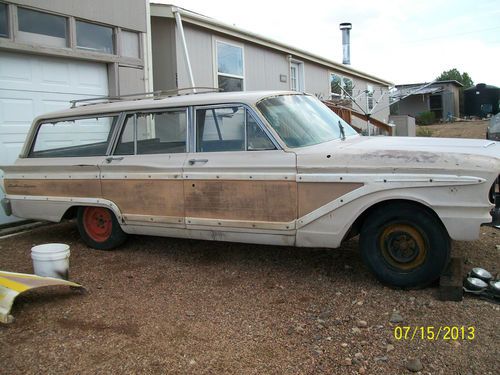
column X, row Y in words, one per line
column 302, row 120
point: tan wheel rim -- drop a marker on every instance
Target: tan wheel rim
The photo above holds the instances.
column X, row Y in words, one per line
column 403, row 246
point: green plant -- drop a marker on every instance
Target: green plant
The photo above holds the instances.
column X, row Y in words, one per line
column 423, row 132
column 425, row 118
column 455, row 75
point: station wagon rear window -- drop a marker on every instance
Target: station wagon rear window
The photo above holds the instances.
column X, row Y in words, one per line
column 73, row 138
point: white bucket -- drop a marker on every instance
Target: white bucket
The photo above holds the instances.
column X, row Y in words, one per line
column 51, row 260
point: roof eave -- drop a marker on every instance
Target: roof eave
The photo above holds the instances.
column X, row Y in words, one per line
column 455, row 82
column 167, row 11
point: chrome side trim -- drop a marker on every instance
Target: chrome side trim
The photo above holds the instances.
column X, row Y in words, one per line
column 192, row 221
column 147, row 219
column 72, row 201
column 413, row 179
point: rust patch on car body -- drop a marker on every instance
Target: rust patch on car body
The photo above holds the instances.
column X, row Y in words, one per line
column 86, row 188
column 420, row 157
column 146, row 197
column 313, row 195
column 273, row 201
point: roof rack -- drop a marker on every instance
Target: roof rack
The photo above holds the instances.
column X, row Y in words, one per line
column 159, row 94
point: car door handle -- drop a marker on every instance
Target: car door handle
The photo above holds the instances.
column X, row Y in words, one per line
column 194, row 161
column 109, row 159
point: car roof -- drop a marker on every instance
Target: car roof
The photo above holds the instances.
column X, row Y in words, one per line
column 210, row 98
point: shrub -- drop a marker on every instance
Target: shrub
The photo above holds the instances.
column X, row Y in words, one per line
column 426, row 118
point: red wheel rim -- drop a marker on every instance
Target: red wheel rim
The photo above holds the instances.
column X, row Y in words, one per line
column 97, row 223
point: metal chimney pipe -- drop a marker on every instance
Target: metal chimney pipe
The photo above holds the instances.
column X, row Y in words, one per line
column 346, row 42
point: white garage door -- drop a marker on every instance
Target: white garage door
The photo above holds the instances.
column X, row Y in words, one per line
column 31, row 85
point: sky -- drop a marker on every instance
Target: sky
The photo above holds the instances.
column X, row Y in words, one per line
column 400, row 41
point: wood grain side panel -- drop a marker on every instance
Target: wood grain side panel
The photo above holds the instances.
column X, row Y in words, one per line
column 146, row 197
column 241, row 200
column 54, row 188
column 313, row 195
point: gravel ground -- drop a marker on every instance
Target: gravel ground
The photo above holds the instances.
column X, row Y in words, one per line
column 460, row 129
column 172, row 306
column 183, row 306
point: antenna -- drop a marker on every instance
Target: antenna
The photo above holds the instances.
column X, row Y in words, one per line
column 372, row 111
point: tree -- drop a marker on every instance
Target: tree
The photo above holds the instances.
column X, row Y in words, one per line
column 453, row 74
column 464, row 78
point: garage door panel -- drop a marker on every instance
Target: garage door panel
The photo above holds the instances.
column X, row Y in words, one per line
column 86, row 79
column 51, row 101
column 13, row 71
column 48, row 74
column 14, row 109
column 32, row 85
column 12, row 129
column 10, row 147
column 51, row 105
column 56, row 75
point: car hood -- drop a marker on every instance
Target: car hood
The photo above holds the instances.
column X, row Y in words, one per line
column 401, row 155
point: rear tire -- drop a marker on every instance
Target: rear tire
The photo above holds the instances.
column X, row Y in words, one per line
column 99, row 228
column 405, row 245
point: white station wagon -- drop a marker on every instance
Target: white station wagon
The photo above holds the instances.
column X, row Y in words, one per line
column 274, row 168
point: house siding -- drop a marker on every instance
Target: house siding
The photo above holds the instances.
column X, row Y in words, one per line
column 262, row 66
column 454, row 106
column 381, row 109
column 163, row 46
column 199, row 45
column 131, row 80
column 118, row 14
column 413, row 105
column 360, row 86
column 129, row 14
column 316, row 80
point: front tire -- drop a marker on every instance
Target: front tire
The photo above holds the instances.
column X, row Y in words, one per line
column 99, row 228
column 405, row 245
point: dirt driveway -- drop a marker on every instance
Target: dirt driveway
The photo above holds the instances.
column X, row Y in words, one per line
column 183, row 306
column 459, row 129
column 172, row 306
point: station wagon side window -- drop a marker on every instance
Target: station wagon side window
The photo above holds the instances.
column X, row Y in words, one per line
column 153, row 133
column 73, row 138
column 231, row 128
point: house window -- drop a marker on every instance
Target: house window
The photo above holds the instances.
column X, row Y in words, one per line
column 4, row 21
column 335, row 85
column 369, row 97
column 341, row 87
column 92, row 37
column 296, row 76
column 348, row 85
column 130, row 44
column 230, row 75
column 42, row 28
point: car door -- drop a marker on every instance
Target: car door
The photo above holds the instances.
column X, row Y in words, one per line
column 143, row 175
column 237, row 176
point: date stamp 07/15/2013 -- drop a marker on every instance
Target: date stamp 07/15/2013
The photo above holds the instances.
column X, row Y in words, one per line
column 434, row 333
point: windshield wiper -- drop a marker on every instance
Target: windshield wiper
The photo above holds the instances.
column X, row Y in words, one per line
column 342, row 132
